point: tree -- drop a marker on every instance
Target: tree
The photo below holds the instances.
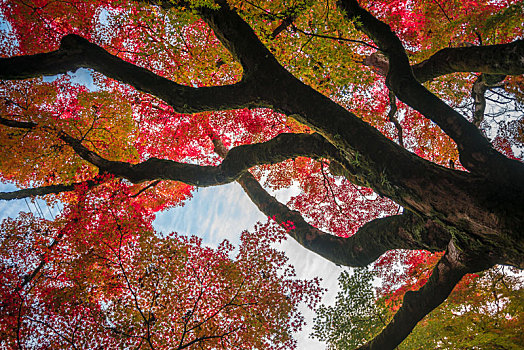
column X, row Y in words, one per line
column 99, row 276
column 302, row 86
column 484, row 312
column 356, row 317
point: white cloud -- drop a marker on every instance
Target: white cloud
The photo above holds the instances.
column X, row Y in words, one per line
column 214, row 214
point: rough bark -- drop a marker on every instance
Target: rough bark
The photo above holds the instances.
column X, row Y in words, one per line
column 238, row 160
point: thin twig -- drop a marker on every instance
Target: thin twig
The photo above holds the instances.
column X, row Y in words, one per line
column 339, row 38
column 393, row 119
column 152, row 184
column 443, row 11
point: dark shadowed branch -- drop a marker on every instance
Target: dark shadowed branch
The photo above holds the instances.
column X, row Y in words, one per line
column 76, row 52
column 239, row 160
column 43, row 190
column 371, row 240
column 494, row 60
column 417, row 304
column 502, row 59
column 368, row 244
column 17, row 124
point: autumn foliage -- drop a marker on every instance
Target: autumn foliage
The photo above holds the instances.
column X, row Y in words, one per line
column 100, row 276
column 167, row 88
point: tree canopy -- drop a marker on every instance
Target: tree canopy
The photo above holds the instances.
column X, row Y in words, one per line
column 400, row 121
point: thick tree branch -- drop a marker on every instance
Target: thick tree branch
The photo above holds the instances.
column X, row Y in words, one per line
column 76, row 52
column 283, row 92
column 502, row 59
column 368, row 244
column 239, row 38
column 495, row 60
column 371, row 158
column 238, row 160
column 404, row 231
column 446, row 274
column 476, row 152
column 17, row 124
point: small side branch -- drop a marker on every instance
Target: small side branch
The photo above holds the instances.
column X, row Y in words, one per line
column 478, row 91
column 151, row 185
column 392, row 118
column 43, row 190
column 479, row 100
column 336, row 38
column 43, row 261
